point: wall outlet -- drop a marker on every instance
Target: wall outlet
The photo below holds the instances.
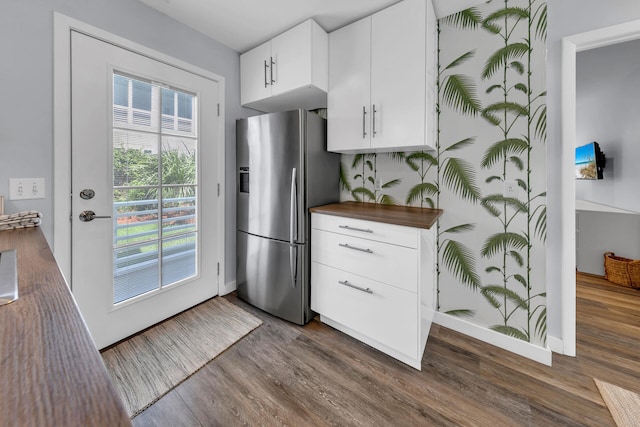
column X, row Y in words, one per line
column 377, row 186
column 26, row 188
column 510, row 189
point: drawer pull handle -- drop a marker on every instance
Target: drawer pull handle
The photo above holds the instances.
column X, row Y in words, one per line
column 344, row 245
column 346, row 283
column 364, row 230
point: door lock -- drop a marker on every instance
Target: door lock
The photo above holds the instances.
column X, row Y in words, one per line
column 86, row 216
column 87, row 194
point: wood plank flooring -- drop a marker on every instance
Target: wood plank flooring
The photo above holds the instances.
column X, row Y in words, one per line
column 282, row 374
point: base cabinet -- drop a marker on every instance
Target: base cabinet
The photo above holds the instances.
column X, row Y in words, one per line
column 375, row 282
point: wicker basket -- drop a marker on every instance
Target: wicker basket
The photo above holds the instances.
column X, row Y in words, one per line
column 622, row 271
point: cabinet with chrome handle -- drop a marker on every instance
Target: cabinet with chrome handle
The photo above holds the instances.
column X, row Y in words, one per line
column 351, row 285
column 348, row 227
column 373, row 121
column 381, row 81
column 269, row 66
column 375, row 282
column 383, row 262
column 289, row 71
column 355, row 248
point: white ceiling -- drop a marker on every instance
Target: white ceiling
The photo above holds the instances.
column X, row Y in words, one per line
column 244, row 24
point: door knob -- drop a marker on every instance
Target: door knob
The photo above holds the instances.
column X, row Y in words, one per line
column 86, row 216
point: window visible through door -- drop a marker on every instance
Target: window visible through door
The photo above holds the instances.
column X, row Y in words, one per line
column 155, row 188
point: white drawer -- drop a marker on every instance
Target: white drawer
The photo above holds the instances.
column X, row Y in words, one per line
column 390, row 264
column 379, row 231
column 386, row 314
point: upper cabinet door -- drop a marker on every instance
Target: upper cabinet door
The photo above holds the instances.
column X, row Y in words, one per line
column 291, row 59
column 255, row 74
column 398, row 75
column 296, row 56
column 381, row 81
column 348, row 100
column 288, row 72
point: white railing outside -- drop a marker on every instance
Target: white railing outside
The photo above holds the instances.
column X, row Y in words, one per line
column 137, row 245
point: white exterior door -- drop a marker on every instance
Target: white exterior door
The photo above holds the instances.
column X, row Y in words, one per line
column 144, row 162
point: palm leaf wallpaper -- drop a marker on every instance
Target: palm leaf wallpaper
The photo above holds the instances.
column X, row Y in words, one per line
column 490, row 135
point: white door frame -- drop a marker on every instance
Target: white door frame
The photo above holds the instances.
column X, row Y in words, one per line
column 571, row 45
column 62, row 27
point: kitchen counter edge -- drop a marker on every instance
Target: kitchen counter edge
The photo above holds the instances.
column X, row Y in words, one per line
column 52, row 373
column 409, row 216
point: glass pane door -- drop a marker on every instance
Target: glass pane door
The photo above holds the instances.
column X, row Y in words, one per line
column 155, row 188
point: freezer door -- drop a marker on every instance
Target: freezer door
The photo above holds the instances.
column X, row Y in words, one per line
column 268, row 154
column 273, row 276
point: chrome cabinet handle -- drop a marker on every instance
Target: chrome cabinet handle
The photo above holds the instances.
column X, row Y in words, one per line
column 351, row 285
column 347, row 227
column 86, row 216
column 272, row 64
column 266, row 83
column 345, row 245
column 374, row 121
column 364, row 122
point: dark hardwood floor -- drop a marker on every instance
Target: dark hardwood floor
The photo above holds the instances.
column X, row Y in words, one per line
column 282, row 374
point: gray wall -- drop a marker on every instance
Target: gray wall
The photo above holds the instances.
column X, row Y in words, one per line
column 567, row 17
column 608, row 112
column 26, row 116
column 600, row 232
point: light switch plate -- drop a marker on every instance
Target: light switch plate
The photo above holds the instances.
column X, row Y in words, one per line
column 26, row 188
column 510, row 189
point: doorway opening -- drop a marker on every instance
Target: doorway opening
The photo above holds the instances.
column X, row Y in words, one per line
column 571, row 45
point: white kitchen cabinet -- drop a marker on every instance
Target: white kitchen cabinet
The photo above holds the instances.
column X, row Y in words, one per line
column 255, row 77
column 349, row 97
column 382, row 81
column 374, row 281
column 289, row 71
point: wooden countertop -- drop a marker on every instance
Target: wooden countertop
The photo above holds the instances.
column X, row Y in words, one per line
column 50, row 371
column 391, row 214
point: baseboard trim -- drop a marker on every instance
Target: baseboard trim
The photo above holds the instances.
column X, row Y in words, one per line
column 227, row 288
column 555, row 344
column 514, row 345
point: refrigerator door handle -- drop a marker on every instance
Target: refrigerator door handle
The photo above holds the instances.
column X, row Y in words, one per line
column 293, row 229
column 293, row 263
column 293, row 214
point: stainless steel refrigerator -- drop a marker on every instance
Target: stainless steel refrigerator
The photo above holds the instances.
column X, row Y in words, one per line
column 283, row 170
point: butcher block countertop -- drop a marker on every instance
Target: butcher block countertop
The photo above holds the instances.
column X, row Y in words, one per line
column 391, row 214
column 51, row 374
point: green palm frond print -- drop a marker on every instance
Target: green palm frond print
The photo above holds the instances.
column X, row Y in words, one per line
column 519, row 117
column 466, row 19
column 459, row 94
column 459, row 260
column 490, row 130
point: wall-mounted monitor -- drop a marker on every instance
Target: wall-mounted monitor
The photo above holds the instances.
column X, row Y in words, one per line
column 590, row 161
